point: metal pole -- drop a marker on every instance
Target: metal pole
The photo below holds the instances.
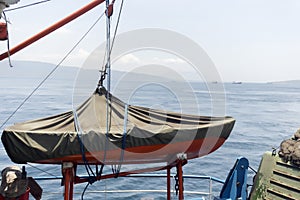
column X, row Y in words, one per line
column 66, row 184
column 169, row 183
column 108, row 45
column 71, row 173
column 180, row 180
column 108, row 75
column 210, row 189
column 68, row 174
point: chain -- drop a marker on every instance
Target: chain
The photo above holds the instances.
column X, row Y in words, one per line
column 176, row 184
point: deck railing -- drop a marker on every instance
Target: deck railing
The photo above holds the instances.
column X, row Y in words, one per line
column 207, row 191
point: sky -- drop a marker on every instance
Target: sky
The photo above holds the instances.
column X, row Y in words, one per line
column 248, row 41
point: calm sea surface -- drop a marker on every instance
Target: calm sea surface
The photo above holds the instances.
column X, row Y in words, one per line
column 265, row 113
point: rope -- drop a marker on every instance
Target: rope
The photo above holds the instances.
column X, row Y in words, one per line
column 83, row 192
column 115, row 169
column 43, row 171
column 104, row 66
column 102, row 77
column 253, row 169
column 92, row 178
column 82, row 150
column 8, row 48
column 118, row 168
column 117, row 25
column 28, row 5
column 51, row 72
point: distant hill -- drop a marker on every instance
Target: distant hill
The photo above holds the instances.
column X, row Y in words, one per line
column 30, row 69
column 39, row 70
column 286, row 82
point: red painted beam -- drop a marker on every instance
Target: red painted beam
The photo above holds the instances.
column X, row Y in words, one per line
column 52, row 28
column 79, row 180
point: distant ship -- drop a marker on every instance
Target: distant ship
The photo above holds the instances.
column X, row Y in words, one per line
column 236, row 82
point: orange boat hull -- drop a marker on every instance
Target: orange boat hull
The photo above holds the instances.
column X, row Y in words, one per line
column 145, row 154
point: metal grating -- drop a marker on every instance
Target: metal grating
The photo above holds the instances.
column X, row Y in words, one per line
column 276, row 180
column 284, row 181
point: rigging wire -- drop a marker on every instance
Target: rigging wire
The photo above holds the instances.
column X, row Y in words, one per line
column 107, row 73
column 25, row 6
column 51, row 72
column 42, row 170
column 116, row 169
column 117, row 26
column 108, row 51
column 103, row 69
column 253, row 169
column 103, row 74
column 8, row 48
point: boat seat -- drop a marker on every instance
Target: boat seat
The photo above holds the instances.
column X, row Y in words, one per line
column 235, row 186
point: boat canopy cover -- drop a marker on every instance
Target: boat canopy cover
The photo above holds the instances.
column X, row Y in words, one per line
column 129, row 127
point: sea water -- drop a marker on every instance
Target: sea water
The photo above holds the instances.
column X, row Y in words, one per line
column 265, row 113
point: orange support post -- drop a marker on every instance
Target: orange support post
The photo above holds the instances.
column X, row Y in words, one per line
column 180, row 180
column 181, row 160
column 52, row 28
column 68, row 174
column 169, row 183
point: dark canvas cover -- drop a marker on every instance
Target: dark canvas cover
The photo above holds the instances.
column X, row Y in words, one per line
column 129, row 126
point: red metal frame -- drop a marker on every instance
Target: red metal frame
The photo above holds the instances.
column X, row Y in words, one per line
column 121, row 174
column 70, row 179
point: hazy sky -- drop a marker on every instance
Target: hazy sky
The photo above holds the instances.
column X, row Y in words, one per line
column 248, row 40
